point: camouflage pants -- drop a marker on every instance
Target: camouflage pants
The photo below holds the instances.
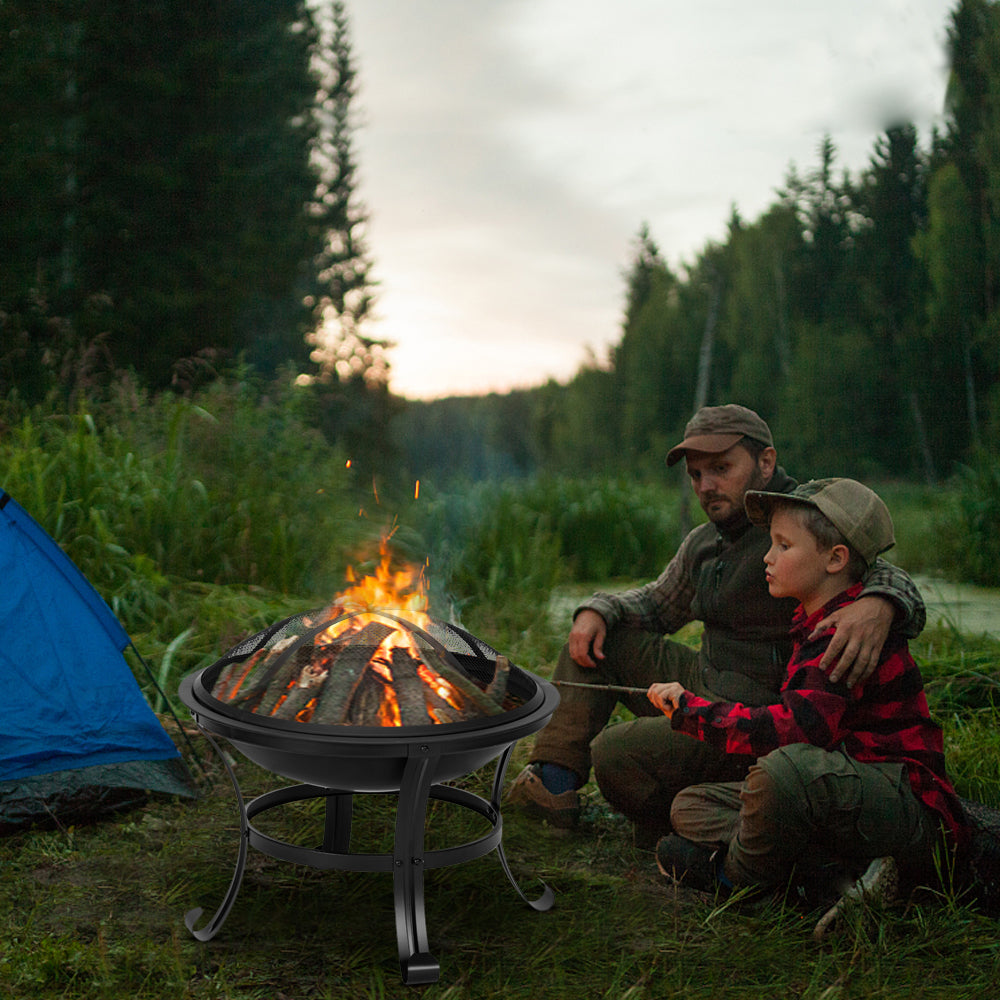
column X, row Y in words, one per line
column 800, row 802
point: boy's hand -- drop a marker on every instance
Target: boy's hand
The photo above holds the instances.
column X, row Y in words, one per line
column 666, row 696
column 860, row 631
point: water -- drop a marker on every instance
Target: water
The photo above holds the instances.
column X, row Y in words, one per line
column 972, row 610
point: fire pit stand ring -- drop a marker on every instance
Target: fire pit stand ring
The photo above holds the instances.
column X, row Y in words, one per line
column 335, row 767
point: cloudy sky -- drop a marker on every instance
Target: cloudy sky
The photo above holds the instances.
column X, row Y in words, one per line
column 509, row 151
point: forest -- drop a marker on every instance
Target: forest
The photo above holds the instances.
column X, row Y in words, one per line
column 858, row 314
column 179, row 203
column 194, row 405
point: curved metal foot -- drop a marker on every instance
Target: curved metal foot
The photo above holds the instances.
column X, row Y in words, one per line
column 192, row 917
column 420, row 969
column 543, row 903
column 548, row 897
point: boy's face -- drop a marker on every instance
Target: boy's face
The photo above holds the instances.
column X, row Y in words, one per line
column 795, row 566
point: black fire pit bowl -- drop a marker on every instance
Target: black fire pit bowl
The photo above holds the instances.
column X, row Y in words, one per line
column 334, row 762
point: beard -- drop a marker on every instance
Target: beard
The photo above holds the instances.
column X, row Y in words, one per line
column 733, row 515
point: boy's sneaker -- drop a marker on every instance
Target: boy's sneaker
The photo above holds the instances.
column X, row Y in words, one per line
column 532, row 797
column 878, row 886
column 687, row 863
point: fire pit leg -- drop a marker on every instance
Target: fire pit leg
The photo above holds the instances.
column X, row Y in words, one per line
column 192, row 917
column 547, row 898
column 416, row 962
column 337, row 823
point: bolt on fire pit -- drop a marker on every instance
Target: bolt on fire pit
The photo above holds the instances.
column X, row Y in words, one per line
column 369, row 703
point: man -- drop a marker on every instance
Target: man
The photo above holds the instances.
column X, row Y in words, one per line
column 716, row 577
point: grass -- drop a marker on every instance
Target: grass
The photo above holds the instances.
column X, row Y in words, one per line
column 96, row 911
column 203, row 520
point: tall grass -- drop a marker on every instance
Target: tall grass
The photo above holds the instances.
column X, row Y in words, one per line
column 201, row 516
column 230, row 488
column 498, row 549
column 970, row 531
column 204, row 519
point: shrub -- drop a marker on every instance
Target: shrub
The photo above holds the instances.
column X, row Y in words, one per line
column 970, row 525
column 230, row 487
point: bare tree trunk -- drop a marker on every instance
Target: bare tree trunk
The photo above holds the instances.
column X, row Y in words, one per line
column 707, row 345
column 925, row 451
column 703, row 383
column 781, row 338
column 970, row 389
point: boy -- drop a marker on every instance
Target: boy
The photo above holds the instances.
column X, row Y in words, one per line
column 855, row 774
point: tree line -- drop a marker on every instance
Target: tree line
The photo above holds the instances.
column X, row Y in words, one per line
column 178, row 191
column 178, row 199
column 858, row 314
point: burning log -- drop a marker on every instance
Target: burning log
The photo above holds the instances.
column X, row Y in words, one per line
column 242, row 681
column 438, row 662
column 224, row 682
column 278, row 686
column 347, row 672
column 359, row 677
column 366, row 702
column 309, row 682
column 497, row 688
column 411, row 692
column 443, row 711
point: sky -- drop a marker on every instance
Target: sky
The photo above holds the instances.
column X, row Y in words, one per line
column 510, row 150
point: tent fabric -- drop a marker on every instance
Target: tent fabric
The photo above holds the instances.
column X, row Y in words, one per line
column 69, row 701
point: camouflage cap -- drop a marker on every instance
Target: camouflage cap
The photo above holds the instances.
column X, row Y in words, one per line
column 852, row 508
column 717, row 428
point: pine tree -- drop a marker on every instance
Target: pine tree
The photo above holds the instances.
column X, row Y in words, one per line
column 893, row 286
column 170, row 184
column 351, row 389
column 344, row 286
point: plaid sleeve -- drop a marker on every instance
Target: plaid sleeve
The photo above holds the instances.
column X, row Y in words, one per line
column 662, row 606
column 892, row 583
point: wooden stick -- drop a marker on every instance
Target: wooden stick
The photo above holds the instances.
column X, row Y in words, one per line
column 617, row 688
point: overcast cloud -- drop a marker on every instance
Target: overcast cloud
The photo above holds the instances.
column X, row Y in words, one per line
column 509, row 151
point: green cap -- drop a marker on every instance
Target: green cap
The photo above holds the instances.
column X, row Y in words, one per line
column 854, row 510
column 715, row 429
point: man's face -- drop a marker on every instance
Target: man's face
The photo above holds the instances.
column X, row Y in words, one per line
column 720, row 481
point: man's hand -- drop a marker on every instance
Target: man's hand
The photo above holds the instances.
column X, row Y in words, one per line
column 860, row 631
column 588, row 628
column 666, row 696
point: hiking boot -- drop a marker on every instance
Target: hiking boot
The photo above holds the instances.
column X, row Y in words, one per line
column 878, row 886
column 687, row 863
column 533, row 799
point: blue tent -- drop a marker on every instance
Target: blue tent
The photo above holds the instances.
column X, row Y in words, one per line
column 76, row 733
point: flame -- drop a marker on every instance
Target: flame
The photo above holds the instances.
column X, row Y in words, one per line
column 439, row 686
column 401, row 592
column 392, row 591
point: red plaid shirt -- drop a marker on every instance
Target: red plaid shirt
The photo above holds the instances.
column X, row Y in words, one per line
column 884, row 719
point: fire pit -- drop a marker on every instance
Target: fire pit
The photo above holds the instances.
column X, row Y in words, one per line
column 369, row 703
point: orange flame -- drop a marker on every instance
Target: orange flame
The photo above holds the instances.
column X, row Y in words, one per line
column 398, row 592
column 401, row 592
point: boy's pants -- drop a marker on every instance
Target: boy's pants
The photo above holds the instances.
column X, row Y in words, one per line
column 801, row 802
